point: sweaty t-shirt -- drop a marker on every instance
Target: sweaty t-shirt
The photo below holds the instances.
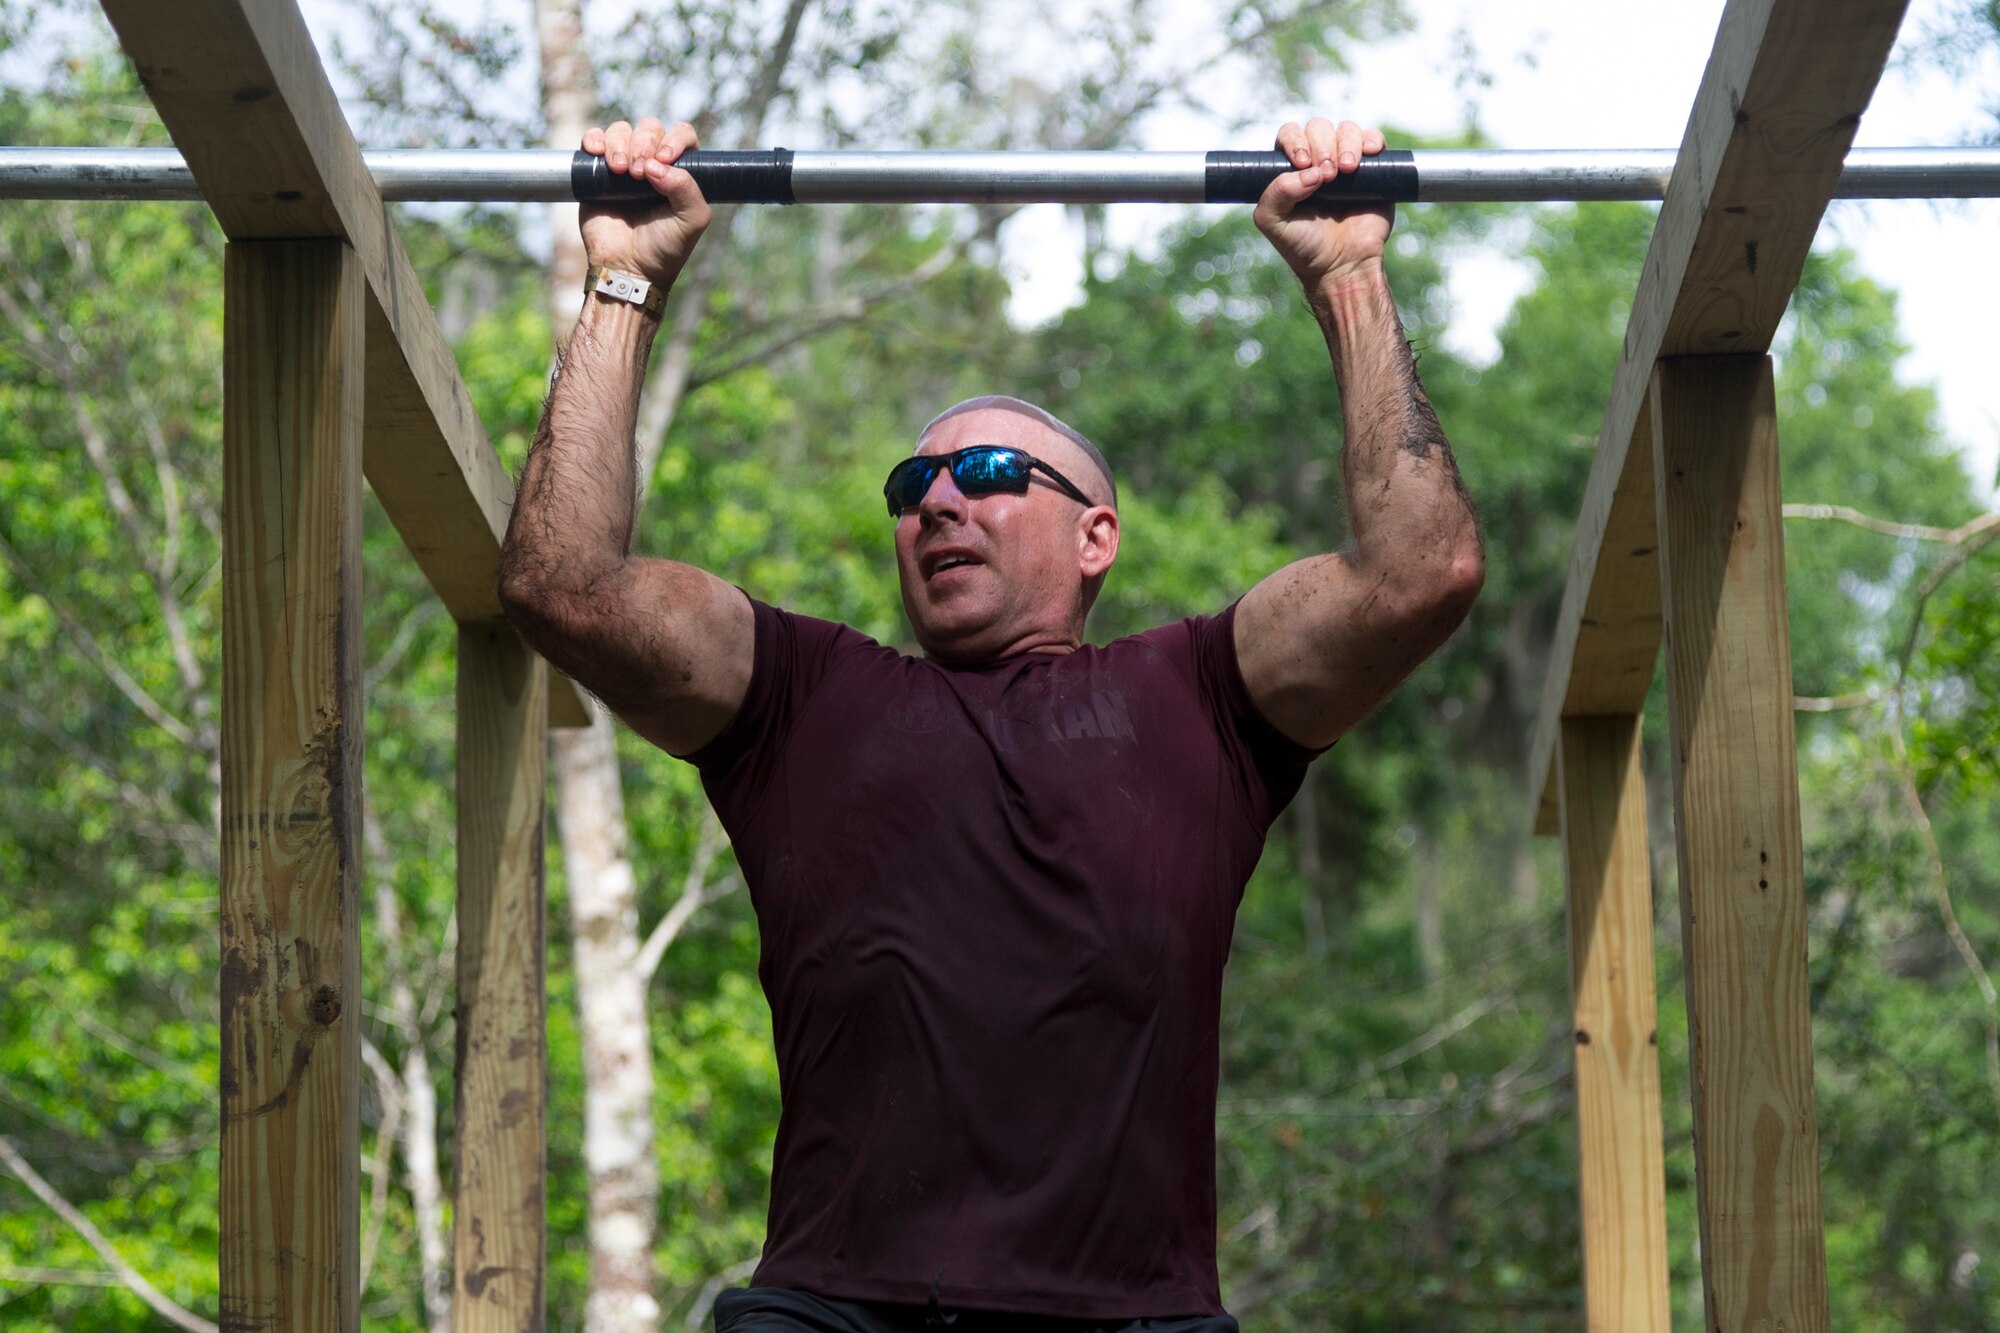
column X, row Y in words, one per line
column 995, row 904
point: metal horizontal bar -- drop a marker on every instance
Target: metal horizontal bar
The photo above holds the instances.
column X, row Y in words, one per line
column 1440, row 175
column 999, row 178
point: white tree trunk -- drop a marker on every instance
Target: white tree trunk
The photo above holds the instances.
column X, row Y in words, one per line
column 617, row 1052
column 420, row 1156
column 612, row 966
column 619, row 1156
column 618, row 1150
column 569, row 97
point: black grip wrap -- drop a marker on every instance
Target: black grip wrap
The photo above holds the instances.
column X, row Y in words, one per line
column 1240, row 178
column 725, row 177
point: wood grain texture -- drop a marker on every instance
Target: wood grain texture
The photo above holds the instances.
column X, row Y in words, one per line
column 1778, row 107
column 499, row 1219
column 1622, row 1171
column 1620, row 620
column 241, row 90
column 1736, row 801
column 291, row 774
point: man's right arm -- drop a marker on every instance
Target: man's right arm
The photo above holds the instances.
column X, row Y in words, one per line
column 666, row 646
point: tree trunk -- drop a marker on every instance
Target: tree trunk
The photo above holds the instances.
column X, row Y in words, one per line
column 569, row 98
column 420, row 1156
column 611, row 984
column 618, row 1151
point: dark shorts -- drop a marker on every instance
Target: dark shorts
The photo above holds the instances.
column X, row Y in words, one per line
column 777, row 1310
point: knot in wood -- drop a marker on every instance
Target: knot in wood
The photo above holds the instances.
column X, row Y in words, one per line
column 324, row 1007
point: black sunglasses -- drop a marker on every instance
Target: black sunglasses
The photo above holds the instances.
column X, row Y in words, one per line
column 983, row 469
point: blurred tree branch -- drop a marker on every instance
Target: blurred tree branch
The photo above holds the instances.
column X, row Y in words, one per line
column 129, row 1276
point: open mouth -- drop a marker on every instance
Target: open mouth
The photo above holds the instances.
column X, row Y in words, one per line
column 943, row 562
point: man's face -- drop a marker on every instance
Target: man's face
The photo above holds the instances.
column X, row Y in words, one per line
column 989, row 576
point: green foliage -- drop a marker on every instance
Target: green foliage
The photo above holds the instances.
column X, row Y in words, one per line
column 1955, row 734
column 1907, row 1113
column 1394, row 1142
column 106, row 855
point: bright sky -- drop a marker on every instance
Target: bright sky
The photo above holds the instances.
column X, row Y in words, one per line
column 1622, row 74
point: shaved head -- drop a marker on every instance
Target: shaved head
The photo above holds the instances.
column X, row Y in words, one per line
column 1013, row 568
column 1000, row 402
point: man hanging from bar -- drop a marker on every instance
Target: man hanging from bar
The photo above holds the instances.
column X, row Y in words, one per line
column 995, row 883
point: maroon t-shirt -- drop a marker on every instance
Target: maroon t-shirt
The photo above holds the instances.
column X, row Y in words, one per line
column 995, row 905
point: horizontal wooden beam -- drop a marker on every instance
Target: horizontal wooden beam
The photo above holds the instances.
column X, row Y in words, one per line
column 1777, row 111
column 241, row 90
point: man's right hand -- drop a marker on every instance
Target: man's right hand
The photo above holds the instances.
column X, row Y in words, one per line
column 653, row 242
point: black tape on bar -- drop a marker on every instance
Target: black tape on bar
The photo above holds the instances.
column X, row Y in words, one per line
column 1240, row 178
column 725, row 177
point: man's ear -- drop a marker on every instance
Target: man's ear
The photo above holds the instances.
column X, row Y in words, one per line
column 1097, row 540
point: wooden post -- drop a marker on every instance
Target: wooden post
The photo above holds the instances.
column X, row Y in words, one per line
column 1736, row 817
column 294, row 315
column 1622, row 1171
column 499, row 1221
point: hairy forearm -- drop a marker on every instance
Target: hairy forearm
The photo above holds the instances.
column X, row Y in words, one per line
column 1411, row 517
column 572, row 523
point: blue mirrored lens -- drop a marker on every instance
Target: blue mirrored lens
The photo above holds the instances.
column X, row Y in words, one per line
column 908, row 481
column 982, row 471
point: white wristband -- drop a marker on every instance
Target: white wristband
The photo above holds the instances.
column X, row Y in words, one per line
column 623, row 286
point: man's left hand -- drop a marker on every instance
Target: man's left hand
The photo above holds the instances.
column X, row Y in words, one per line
column 1324, row 244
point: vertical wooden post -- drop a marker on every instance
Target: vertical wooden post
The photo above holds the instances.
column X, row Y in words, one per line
column 291, row 786
column 1622, row 1171
column 1736, row 817
column 499, row 1221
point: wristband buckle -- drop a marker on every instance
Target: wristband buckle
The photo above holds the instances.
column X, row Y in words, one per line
column 623, row 286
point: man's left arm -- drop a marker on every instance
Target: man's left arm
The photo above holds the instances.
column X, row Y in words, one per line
column 1324, row 640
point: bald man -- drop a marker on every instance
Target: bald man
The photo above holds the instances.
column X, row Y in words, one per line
column 996, row 883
